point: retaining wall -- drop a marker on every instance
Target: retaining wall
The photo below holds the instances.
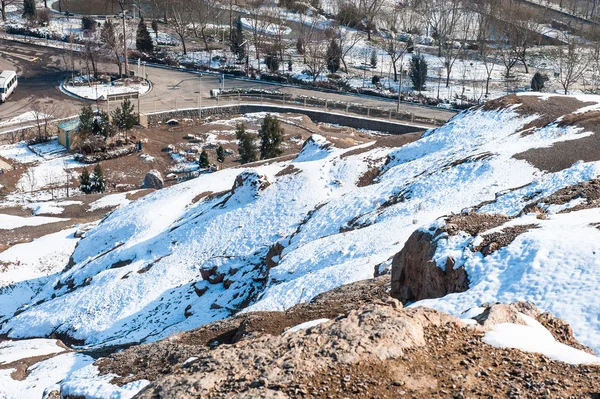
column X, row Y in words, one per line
column 356, row 122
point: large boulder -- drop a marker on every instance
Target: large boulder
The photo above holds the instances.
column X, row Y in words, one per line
column 153, row 179
column 416, row 276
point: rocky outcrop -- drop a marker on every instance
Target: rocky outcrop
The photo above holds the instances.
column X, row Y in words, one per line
column 416, row 276
column 154, row 180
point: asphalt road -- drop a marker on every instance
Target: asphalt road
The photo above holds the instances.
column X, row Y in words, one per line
column 41, row 69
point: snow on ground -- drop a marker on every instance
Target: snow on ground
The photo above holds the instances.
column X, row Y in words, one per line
column 332, row 231
column 24, row 117
column 87, row 383
column 307, row 325
column 26, row 268
column 102, row 91
column 137, row 275
column 534, row 337
column 41, row 376
column 11, row 351
column 111, row 200
column 51, row 207
column 19, row 152
column 8, row 222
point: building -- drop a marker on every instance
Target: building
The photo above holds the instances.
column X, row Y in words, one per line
column 67, row 133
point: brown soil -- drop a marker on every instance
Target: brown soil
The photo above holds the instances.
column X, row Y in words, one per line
column 493, row 242
column 588, row 190
column 473, row 223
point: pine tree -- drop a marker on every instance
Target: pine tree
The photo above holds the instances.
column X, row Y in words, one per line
column 246, row 145
column 97, row 182
column 220, row 154
column 143, row 40
column 272, row 62
column 271, row 136
column 155, row 29
column 204, row 162
column 84, row 182
column 123, row 117
column 29, row 10
column 333, row 56
column 418, row 71
column 86, row 120
column 102, row 126
column 537, row 83
column 373, row 58
column 237, row 39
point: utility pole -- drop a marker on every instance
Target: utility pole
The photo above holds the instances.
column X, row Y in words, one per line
column 123, row 11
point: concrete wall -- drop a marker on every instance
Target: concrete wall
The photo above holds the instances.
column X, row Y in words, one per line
column 356, row 122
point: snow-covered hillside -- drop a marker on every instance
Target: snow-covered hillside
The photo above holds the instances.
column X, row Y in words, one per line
column 278, row 234
column 284, row 233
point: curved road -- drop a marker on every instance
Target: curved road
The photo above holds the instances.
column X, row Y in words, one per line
column 41, row 70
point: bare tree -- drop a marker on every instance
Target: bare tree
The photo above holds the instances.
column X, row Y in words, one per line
column 111, row 39
column 395, row 48
column 3, row 5
column 316, row 59
column 206, row 11
column 181, row 16
column 572, row 63
column 123, row 6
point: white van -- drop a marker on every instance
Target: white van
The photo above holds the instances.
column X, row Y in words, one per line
column 8, row 84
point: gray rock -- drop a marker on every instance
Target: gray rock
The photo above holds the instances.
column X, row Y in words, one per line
column 153, row 179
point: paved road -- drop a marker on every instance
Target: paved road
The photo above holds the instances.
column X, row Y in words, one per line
column 41, row 69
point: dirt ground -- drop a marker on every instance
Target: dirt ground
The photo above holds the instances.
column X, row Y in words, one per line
column 452, row 363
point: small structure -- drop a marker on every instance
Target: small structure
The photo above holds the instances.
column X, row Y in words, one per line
column 67, row 133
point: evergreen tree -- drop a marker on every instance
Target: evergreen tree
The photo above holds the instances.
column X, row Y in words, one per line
column 155, row 29
column 29, row 10
column 102, row 126
column 271, row 136
column 204, row 162
column 373, row 58
column 333, row 56
column 300, row 45
column 220, row 154
column 84, row 182
column 246, row 145
column 86, row 121
column 237, row 39
column 272, row 62
column 123, row 117
column 143, row 41
column 418, row 71
column 538, row 81
column 88, row 23
column 97, row 182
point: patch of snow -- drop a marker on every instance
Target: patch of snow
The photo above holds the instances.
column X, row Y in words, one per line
column 42, row 375
column 11, row 351
column 8, row 222
column 306, row 325
column 534, row 337
column 88, row 383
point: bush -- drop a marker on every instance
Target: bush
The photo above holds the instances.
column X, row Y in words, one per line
column 537, row 82
column 272, row 62
column 349, row 15
column 43, row 17
column 88, row 24
column 418, row 71
column 375, row 80
column 246, row 144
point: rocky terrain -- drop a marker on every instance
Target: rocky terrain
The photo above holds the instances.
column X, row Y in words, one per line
column 366, row 345
column 203, row 288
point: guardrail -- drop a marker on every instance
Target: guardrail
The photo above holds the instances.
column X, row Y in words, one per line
column 285, row 99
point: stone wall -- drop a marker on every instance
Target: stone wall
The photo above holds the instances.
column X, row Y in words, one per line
column 356, row 122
